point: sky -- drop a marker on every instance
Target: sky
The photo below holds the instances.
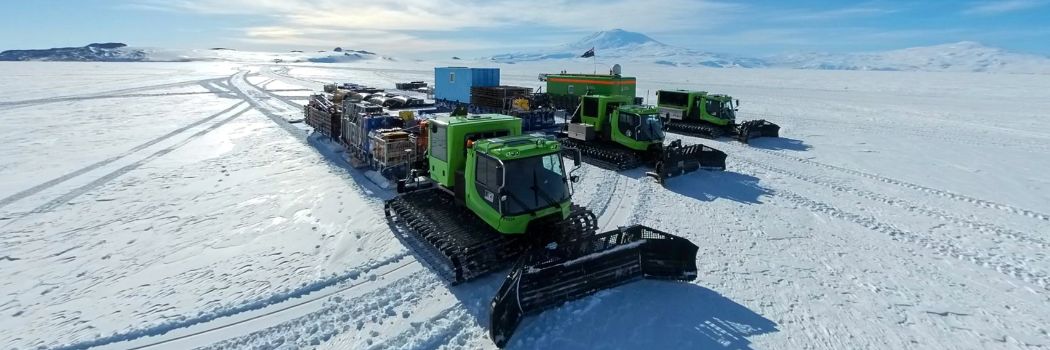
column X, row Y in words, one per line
column 469, row 28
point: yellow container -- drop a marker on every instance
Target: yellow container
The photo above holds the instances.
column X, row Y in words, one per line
column 407, row 115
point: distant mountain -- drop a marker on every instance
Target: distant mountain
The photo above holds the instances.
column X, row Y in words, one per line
column 966, row 56
column 630, row 46
column 119, row 52
column 625, row 46
column 114, row 52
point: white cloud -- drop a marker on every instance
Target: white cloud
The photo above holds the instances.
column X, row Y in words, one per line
column 1003, row 6
column 832, row 14
column 383, row 24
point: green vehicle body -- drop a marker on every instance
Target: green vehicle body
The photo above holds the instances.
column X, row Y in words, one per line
column 591, row 84
column 697, row 106
column 607, row 115
column 458, row 144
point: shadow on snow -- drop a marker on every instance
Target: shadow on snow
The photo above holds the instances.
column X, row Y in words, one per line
column 711, row 185
column 645, row 315
column 780, row 143
column 335, row 156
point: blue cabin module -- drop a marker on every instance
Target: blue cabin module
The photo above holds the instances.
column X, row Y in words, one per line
column 454, row 83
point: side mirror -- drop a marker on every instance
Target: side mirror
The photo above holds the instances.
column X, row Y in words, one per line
column 574, row 178
column 738, row 102
column 572, row 153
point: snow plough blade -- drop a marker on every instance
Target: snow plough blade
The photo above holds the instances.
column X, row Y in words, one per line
column 678, row 160
column 755, row 129
column 545, row 277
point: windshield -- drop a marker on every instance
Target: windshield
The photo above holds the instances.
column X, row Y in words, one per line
column 644, row 127
column 720, row 110
column 534, row 183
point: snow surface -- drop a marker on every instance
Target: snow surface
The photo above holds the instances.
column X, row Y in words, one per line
column 171, row 205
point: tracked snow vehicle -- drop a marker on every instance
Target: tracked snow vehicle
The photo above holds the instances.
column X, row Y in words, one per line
column 613, row 133
column 698, row 113
column 492, row 197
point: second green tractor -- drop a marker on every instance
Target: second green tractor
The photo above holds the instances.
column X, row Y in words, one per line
column 614, row 133
column 698, row 113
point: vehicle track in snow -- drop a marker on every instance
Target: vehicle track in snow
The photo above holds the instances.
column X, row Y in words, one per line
column 53, row 182
column 615, row 202
column 309, row 294
column 339, row 315
column 105, row 94
column 1006, row 265
column 51, row 205
column 993, row 230
column 905, row 184
column 282, row 72
column 1025, row 143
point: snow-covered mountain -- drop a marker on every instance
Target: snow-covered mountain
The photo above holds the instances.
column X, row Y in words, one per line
column 630, row 46
column 966, row 56
column 622, row 45
column 119, row 52
column 115, row 52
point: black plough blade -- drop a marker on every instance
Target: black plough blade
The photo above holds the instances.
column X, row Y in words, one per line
column 546, row 277
column 678, row 160
column 755, row 129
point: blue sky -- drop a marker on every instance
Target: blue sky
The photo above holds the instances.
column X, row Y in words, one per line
column 476, row 27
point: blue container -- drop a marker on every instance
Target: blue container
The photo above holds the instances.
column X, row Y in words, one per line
column 454, row 83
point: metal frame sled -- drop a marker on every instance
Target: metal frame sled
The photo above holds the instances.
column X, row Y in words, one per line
column 545, row 278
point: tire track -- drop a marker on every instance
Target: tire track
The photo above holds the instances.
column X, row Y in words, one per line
column 51, row 205
column 297, row 133
column 912, row 186
column 23, row 103
column 284, row 74
column 281, row 98
column 613, row 197
column 51, row 183
column 1003, row 264
column 432, row 333
column 1029, row 143
column 986, row 228
column 261, row 303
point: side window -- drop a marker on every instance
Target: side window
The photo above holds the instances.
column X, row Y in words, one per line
column 590, row 107
column 488, row 172
column 625, row 124
column 452, row 77
column 571, row 89
column 439, row 141
column 712, row 107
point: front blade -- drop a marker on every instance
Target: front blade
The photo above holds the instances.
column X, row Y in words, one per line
column 546, row 278
column 678, row 160
column 755, row 129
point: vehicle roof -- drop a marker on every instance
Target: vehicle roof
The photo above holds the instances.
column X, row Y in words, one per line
column 517, row 147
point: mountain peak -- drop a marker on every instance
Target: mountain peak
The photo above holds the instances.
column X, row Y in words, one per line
column 612, row 39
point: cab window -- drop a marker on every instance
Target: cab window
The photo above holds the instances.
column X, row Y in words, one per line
column 439, row 141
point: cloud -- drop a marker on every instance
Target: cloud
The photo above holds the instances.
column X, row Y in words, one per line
column 833, row 14
column 387, row 24
column 1004, row 6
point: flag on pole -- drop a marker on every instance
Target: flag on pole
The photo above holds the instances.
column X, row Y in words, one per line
column 589, row 53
